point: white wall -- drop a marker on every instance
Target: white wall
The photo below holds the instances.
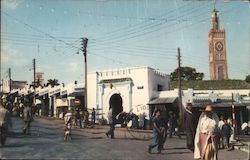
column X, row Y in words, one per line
column 144, row 87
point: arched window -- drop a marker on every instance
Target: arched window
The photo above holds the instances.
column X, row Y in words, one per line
column 220, row 72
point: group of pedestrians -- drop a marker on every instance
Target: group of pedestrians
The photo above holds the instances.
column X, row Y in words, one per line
column 79, row 117
column 5, row 119
column 203, row 139
column 206, row 138
column 225, row 125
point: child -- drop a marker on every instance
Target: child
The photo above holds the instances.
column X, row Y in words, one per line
column 68, row 125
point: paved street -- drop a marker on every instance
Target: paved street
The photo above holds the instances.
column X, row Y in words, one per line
column 46, row 142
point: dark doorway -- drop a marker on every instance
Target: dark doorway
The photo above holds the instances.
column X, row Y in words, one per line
column 115, row 102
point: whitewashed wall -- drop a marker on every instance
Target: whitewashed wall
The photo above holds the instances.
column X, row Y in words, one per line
column 135, row 96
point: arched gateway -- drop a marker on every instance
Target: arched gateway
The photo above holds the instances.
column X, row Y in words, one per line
column 115, row 102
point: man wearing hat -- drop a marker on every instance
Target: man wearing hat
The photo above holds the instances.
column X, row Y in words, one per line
column 206, row 138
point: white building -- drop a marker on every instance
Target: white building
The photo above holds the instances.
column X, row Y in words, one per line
column 129, row 89
column 5, row 87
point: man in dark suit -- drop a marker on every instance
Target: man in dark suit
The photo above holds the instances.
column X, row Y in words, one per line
column 190, row 128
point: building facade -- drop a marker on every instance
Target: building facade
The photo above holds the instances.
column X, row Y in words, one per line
column 217, row 49
column 233, row 104
column 130, row 89
column 6, row 86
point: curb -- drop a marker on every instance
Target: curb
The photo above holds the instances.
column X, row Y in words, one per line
column 244, row 147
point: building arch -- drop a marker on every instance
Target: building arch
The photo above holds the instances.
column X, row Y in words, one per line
column 115, row 102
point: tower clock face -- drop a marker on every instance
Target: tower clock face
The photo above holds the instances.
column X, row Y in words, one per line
column 218, row 46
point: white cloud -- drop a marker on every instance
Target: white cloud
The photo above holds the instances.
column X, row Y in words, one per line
column 72, row 67
column 12, row 56
column 6, row 53
column 11, row 4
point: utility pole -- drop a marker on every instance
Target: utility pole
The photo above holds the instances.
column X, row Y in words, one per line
column 10, row 79
column 2, row 85
column 179, row 93
column 34, row 84
column 84, row 50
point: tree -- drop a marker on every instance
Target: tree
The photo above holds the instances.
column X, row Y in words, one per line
column 187, row 73
column 53, row 82
column 247, row 78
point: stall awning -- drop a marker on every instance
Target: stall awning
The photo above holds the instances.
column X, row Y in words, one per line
column 162, row 100
column 219, row 105
column 74, row 94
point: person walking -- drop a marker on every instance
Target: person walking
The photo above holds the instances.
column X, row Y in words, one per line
column 86, row 118
column 157, row 133
column 164, row 124
column 207, row 136
column 93, row 117
column 220, row 124
column 77, row 118
column 190, row 127
column 5, row 122
column 226, row 133
column 111, row 119
column 27, row 117
column 172, row 124
column 81, row 118
column 68, row 126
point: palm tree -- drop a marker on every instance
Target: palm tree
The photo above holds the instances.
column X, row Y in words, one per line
column 52, row 82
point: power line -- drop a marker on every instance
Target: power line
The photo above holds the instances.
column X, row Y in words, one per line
column 37, row 30
column 142, row 32
column 35, row 36
column 135, row 31
column 130, row 51
column 138, row 25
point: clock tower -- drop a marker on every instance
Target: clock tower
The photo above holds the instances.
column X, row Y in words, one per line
column 217, row 49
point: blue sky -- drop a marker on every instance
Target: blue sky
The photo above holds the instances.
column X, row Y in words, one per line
column 121, row 33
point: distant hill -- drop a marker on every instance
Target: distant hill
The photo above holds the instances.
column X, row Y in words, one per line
column 212, row 84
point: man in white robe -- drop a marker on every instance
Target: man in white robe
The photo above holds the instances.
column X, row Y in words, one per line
column 207, row 136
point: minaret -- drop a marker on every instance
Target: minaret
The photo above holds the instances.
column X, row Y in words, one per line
column 217, row 49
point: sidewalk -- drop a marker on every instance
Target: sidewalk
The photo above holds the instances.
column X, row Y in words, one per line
column 242, row 143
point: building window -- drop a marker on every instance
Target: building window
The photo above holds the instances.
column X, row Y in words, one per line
column 159, row 87
column 220, row 73
column 140, row 87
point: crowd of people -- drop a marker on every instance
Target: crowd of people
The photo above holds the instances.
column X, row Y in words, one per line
column 78, row 118
column 204, row 138
column 21, row 108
